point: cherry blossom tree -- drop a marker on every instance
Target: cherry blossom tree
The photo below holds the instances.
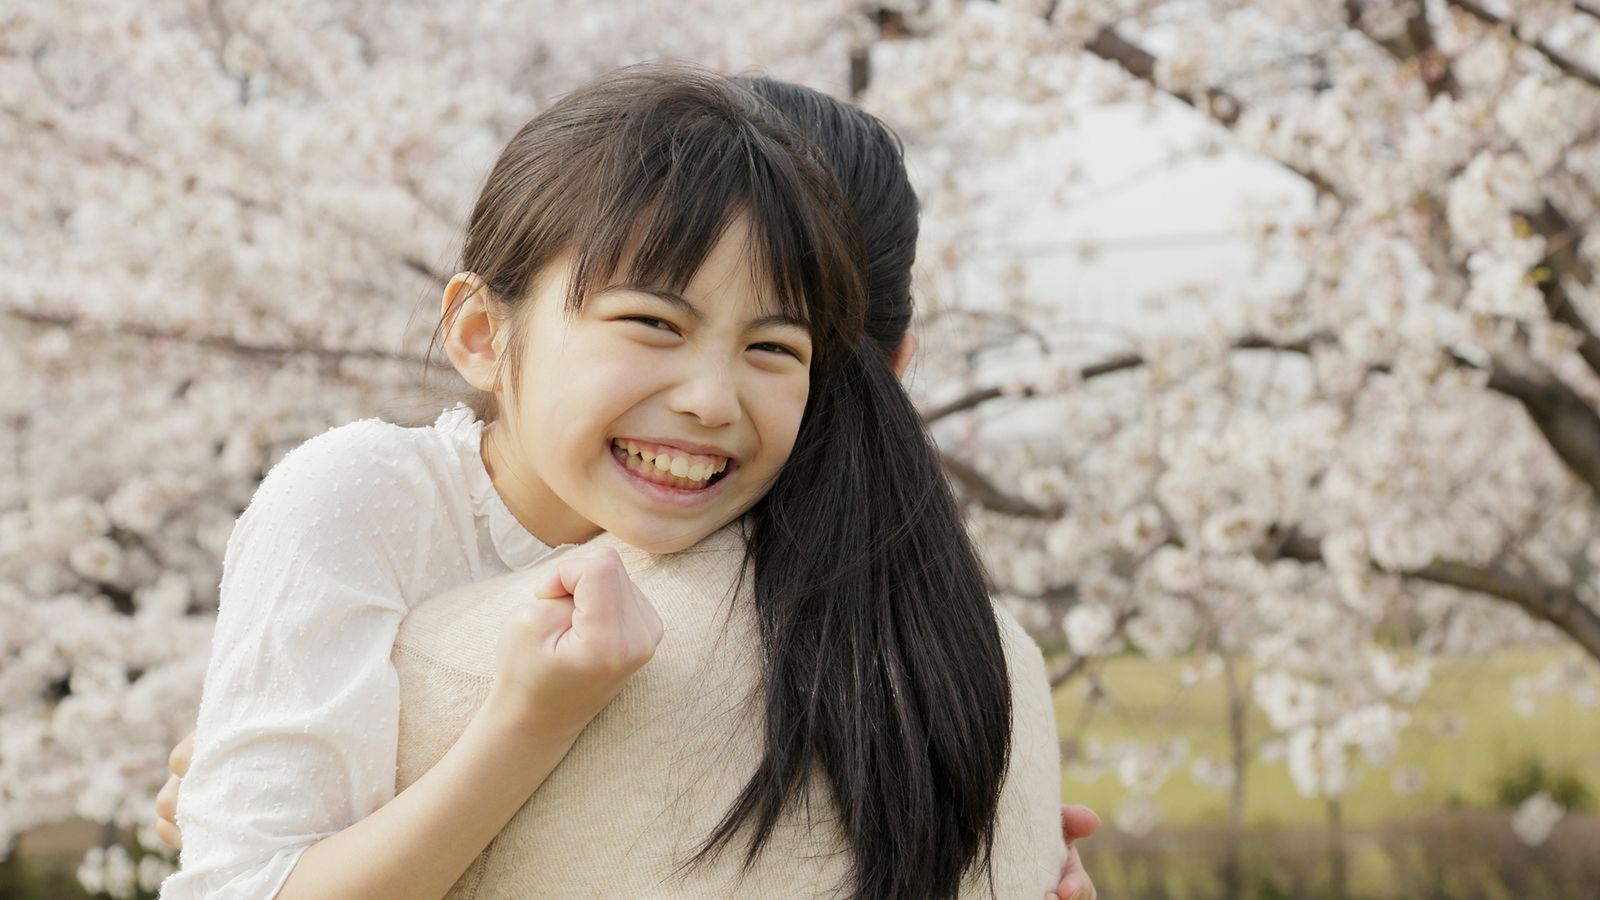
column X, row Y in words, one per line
column 226, row 226
column 229, row 223
column 1401, row 448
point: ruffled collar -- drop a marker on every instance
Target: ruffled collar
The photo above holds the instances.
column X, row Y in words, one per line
column 517, row 547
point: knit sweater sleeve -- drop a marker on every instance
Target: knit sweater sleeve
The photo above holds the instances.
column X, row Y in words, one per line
column 1028, row 848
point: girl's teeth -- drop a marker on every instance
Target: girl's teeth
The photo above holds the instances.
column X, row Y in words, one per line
column 682, row 472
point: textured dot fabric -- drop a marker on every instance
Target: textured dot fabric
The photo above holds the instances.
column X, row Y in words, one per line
column 296, row 738
column 652, row 775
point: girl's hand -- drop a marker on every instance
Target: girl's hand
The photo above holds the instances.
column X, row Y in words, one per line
column 1077, row 821
column 167, row 800
column 567, row 653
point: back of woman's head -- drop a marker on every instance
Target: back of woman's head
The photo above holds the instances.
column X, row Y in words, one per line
column 883, row 661
column 867, row 159
column 647, row 167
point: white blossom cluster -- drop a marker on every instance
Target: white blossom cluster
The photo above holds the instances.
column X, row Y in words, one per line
column 1536, row 818
column 1319, row 481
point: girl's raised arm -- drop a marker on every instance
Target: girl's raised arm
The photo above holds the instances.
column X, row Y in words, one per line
column 293, row 771
column 560, row 660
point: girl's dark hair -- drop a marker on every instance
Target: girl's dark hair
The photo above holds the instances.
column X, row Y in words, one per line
column 658, row 161
column 882, row 661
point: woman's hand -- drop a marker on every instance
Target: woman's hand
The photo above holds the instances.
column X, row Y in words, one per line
column 1077, row 821
column 566, row 654
column 167, row 800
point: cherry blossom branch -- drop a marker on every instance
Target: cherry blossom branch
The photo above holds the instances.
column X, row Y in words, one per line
column 1570, row 425
column 1567, row 421
column 1220, row 105
column 1417, row 46
column 1556, row 604
column 79, row 325
column 978, row 487
column 1561, row 236
column 1077, row 661
column 1107, row 367
column 1570, row 67
column 1562, row 262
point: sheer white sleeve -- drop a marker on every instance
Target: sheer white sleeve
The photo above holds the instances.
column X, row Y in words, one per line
column 298, row 722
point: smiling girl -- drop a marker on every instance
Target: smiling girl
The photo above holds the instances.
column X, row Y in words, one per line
column 660, row 293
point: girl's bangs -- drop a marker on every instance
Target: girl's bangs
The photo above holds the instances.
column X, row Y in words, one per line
column 677, row 196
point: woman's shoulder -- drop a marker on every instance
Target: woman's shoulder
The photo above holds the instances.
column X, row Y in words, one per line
column 1023, row 656
column 458, row 628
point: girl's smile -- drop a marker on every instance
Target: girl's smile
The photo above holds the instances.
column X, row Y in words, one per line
column 701, row 482
column 657, row 415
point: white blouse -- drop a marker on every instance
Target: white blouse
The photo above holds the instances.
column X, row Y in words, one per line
column 298, row 723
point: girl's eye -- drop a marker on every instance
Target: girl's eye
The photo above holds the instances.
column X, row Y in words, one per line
column 775, row 348
column 650, row 322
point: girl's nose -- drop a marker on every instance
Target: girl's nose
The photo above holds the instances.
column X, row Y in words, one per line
column 709, row 395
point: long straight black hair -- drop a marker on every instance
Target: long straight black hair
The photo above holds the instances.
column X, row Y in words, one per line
column 882, row 662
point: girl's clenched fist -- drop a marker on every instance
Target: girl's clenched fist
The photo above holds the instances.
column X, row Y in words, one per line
column 566, row 653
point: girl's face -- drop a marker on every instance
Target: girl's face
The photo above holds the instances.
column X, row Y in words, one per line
column 658, row 417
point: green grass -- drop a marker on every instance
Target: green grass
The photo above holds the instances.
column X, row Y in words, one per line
column 1147, row 703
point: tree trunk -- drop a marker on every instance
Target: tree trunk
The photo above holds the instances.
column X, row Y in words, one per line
column 1232, row 864
column 1336, row 854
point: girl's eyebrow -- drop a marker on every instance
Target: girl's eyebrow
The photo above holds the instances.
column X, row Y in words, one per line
column 687, row 307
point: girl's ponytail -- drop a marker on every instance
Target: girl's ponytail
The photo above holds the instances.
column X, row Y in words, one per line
column 883, row 659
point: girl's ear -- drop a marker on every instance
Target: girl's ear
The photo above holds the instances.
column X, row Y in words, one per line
column 472, row 336
column 901, row 360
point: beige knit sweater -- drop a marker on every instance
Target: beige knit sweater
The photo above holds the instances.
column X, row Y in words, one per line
column 657, row 769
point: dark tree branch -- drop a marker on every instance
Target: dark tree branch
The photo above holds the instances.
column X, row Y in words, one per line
column 1560, row 606
column 1562, row 261
column 1567, row 421
column 1107, row 367
column 1220, row 105
column 1416, row 47
column 978, row 487
column 78, row 325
